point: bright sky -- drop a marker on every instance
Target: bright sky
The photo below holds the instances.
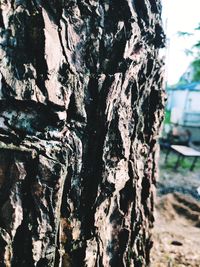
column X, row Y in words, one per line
column 180, row 15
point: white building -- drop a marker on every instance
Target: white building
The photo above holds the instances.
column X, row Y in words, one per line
column 184, row 105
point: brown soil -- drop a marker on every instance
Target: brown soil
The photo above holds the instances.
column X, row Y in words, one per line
column 176, row 232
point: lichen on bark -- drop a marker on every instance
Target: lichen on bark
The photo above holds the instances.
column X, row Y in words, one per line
column 81, row 105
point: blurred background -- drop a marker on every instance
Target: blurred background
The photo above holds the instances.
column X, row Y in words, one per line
column 177, row 224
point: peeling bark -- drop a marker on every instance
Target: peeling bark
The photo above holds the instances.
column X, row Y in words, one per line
column 81, row 104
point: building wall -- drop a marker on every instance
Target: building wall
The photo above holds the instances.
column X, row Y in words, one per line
column 180, row 101
column 194, row 101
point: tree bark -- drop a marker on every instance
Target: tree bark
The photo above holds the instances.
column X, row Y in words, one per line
column 81, row 105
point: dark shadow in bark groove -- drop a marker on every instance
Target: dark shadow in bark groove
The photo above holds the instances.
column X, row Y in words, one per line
column 93, row 158
column 127, row 196
column 1, row 20
column 35, row 48
column 6, row 161
column 22, row 255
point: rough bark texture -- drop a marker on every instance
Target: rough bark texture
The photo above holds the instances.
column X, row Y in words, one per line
column 81, row 104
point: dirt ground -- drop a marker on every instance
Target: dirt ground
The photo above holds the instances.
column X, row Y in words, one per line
column 177, row 218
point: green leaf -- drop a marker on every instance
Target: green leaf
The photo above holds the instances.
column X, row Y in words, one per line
column 184, row 34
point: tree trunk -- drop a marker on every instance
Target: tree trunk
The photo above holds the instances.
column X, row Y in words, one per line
column 81, row 104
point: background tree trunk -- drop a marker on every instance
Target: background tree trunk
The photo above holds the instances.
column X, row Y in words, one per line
column 81, row 104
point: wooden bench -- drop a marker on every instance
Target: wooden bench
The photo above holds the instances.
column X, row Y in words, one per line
column 184, row 151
